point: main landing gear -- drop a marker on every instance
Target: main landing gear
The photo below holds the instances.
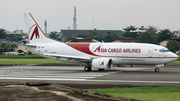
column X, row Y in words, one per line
column 87, row 68
column 157, row 70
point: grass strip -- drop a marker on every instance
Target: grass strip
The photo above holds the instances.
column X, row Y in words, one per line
column 22, row 57
column 165, row 93
column 177, row 62
column 27, row 61
column 170, row 96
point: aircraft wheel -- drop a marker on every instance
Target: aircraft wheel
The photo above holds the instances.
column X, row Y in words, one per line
column 156, row 70
column 101, row 69
column 87, row 68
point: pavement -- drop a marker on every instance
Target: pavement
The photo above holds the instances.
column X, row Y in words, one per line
column 75, row 76
column 66, row 82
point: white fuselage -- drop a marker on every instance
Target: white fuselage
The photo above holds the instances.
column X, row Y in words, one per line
column 120, row 53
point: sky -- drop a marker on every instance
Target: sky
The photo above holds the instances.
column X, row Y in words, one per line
column 100, row 14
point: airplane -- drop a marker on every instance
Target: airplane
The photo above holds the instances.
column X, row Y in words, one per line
column 100, row 56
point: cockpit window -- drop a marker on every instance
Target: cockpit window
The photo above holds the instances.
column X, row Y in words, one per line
column 164, row 50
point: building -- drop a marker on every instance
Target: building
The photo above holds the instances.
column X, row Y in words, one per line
column 164, row 43
column 22, row 47
column 7, row 43
column 125, row 40
column 19, row 48
column 83, row 40
column 8, row 32
column 17, row 32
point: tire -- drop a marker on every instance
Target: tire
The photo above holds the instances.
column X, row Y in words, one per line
column 157, row 70
column 89, row 68
column 86, row 68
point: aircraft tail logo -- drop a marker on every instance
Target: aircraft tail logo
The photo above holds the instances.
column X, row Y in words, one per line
column 36, row 33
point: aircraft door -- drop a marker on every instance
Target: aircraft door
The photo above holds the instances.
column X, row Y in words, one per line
column 150, row 52
column 160, row 54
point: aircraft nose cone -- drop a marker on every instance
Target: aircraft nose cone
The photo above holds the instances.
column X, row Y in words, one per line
column 175, row 56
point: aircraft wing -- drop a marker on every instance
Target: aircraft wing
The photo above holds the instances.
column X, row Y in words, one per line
column 78, row 58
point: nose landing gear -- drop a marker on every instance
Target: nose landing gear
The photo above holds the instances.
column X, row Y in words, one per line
column 157, row 70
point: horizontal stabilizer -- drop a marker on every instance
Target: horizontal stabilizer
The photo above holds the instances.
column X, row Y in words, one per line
column 29, row 45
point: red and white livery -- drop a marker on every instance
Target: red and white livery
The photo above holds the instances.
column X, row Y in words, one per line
column 97, row 55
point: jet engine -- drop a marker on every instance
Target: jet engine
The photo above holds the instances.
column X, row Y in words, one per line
column 102, row 63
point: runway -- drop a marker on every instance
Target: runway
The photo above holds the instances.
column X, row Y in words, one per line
column 134, row 76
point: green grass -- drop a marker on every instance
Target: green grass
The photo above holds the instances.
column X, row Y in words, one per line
column 27, row 61
column 178, row 58
column 164, row 93
column 23, row 57
column 177, row 62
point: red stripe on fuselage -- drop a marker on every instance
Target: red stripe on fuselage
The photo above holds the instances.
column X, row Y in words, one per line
column 82, row 47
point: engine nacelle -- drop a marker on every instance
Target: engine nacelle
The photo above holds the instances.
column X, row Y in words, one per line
column 102, row 63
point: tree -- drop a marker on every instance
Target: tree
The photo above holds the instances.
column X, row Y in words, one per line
column 14, row 37
column 151, row 29
column 68, row 38
column 3, row 45
column 110, row 36
column 94, row 34
column 149, row 35
column 173, row 46
column 6, row 47
column 141, row 28
column 2, row 34
column 54, row 35
column 165, row 34
column 130, row 32
column 13, row 46
column 146, row 37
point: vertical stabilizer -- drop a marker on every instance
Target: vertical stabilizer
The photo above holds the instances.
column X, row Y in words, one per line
column 35, row 33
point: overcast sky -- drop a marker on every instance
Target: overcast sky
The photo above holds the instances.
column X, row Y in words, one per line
column 108, row 14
